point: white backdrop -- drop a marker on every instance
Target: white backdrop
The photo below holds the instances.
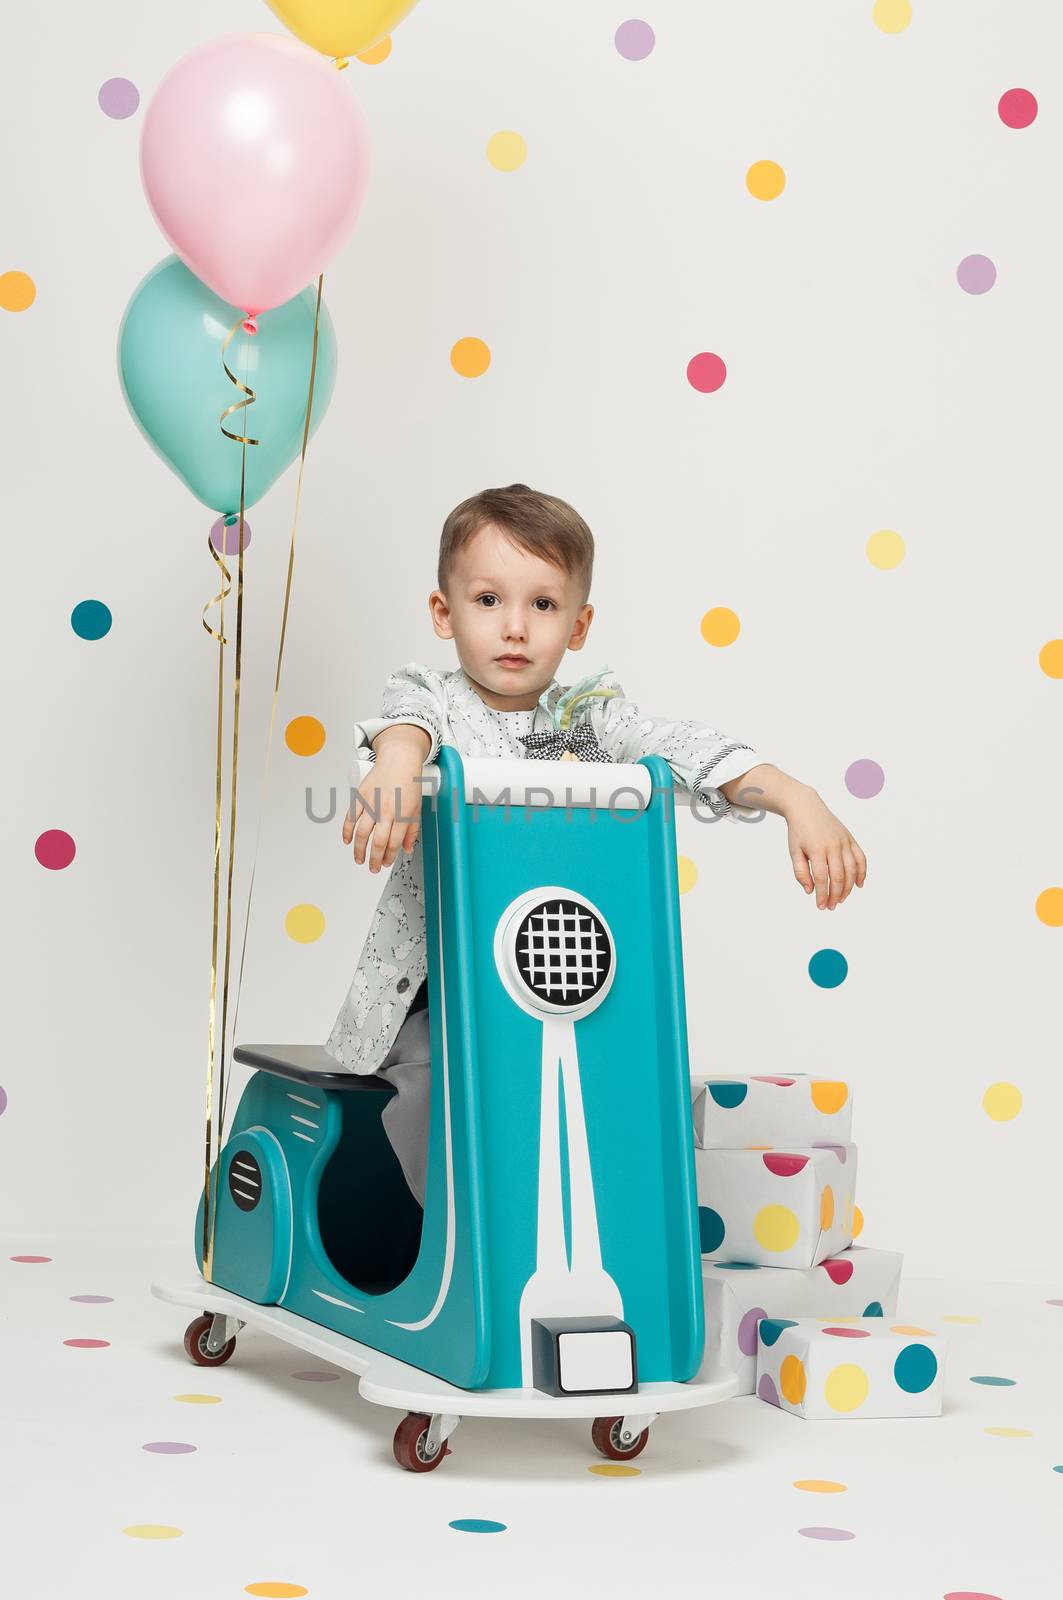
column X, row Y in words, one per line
column 865, row 391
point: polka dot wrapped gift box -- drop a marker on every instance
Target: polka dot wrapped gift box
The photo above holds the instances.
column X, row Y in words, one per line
column 780, row 1111
column 776, row 1208
column 868, row 1367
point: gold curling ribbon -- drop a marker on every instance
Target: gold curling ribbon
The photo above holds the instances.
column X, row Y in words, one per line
column 224, row 1086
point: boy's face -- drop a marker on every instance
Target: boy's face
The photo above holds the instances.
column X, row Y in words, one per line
column 512, row 616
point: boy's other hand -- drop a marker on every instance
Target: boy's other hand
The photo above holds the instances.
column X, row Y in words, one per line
column 385, row 814
column 824, row 853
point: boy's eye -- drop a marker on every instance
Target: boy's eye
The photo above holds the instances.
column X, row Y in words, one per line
column 488, row 601
column 487, row 597
column 549, row 603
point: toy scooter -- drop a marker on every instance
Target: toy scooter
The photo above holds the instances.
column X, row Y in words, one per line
column 555, row 1270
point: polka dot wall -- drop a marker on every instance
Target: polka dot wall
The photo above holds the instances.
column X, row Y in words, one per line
column 648, row 403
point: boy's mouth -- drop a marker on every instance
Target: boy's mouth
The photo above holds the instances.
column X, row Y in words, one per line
column 512, row 661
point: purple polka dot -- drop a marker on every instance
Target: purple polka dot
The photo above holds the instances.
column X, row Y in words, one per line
column 55, row 849
column 634, row 39
column 706, row 372
column 93, row 1299
column 767, row 1390
column 976, row 274
column 118, row 98
column 747, row 1331
column 225, row 536
column 317, row 1377
column 864, row 779
column 1054, row 1302
column 3, row 1104
column 169, row 1447
column 826, row 1533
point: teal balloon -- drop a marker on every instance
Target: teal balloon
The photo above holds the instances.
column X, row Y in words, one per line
column 170, row 367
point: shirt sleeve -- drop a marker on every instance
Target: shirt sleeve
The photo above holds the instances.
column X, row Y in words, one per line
column 414, row 693
column 701, row 757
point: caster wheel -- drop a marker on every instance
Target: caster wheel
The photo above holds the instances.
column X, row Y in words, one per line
column 196, row 1344
column 409, row 1444
column 605, row 1436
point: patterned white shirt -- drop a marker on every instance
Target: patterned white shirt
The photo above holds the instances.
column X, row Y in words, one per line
column 393, row 963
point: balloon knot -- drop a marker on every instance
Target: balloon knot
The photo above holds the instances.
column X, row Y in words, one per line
column 341, row 62
column 250, row 322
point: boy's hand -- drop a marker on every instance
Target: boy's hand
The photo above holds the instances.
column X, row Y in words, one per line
column 824, row 853
column 387, row 803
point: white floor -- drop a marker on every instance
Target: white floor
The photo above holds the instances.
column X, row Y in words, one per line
column 286, row 1484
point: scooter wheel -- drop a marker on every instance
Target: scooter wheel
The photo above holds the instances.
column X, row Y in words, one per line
column 196, row 1344
column 409, row 1444
column 605, row 1436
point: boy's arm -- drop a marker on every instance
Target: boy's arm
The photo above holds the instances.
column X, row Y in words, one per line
column 413, row 696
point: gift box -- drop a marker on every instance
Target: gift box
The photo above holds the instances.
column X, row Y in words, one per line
column 864, row 1367
column 860, row 1282
column 793, row 1109
column 777, row 1208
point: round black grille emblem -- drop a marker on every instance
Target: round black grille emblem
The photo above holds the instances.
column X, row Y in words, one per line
column 245, row 1180
column 563, row 952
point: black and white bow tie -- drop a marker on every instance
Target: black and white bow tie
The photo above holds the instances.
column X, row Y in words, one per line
column 575, row 743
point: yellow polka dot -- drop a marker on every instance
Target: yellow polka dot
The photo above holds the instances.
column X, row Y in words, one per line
column 304, row 924
column 776, row 1227
column 885, row 549
column 506, row 150
column 199, row 1399
column 470, row 358
column 1051, row 659
column 720, row 626
column 820, row 1486
column 907, row 1329
column 304, row 736
column 614, row 1469
column 961, row 1319
column 765, row 180
column 1011, row 1433
column 276, row 1591
column 826, row 1208
column 372, row 58
column 846, row 1387
column 17, row 291
column 758, row 1147
column 858, row 1222
column 892, row 16
column 792, row 1380
column 827, row 1095
column 1002, row 1101
column 1049, row 907
column 847, row 1220
column 152, row 1530
column 688, row 874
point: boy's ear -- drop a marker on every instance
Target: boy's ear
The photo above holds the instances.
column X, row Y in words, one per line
column 440, row 613
column 581, row 627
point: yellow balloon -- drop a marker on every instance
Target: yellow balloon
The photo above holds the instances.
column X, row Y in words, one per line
column 341, row 27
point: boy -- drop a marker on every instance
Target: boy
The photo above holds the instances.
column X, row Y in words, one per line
column 513, row 579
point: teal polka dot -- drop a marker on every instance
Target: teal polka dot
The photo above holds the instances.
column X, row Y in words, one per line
column 771, row 1327
column 477, row 1525
column 996, row 1383
column 873, row 1310
column 738, row 1266
column 1054, row 1469
column 728, row 1095
column 915, row 1368
column 712, row 1230
column 90, row 619
column 828, row 968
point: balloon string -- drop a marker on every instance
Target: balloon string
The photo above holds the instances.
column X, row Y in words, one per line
column 209, row 1188
column 280, row 659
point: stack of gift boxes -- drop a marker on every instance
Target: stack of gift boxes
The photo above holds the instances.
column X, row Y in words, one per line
column 801, row 1314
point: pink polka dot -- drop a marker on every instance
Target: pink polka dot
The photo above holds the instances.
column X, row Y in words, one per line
column 783, row 1083
column 784, row 1166
column 93, row 1299
column 847, row 1333
column 969, row 1594
column 837, row 1534
column 87, row 1344
column 706, row 372
column 1017, row 108
column 54, row 849
column 30, row 1260
column 838, row 1271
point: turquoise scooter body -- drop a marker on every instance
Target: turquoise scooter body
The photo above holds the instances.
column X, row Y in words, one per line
column 313, row 1213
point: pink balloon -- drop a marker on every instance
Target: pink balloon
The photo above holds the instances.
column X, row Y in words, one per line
column 254, row 158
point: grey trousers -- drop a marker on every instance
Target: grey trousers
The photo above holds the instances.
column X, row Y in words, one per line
column 408, row 1065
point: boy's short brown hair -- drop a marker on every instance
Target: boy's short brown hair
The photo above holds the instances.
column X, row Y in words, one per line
column 539, row 523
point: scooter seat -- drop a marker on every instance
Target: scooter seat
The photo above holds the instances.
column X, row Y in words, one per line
column 308, row 1063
